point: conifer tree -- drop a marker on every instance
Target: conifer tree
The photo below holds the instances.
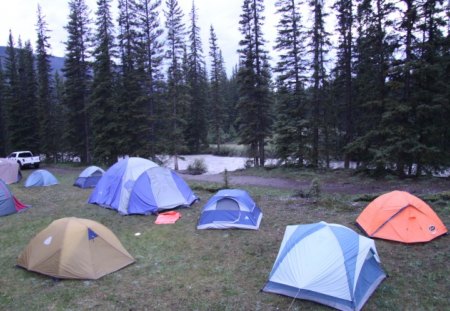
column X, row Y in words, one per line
column 319, row 46
column 151, row 31
column 196, row 127
column 12, row 91
column 77, row 80
column 103, row 99
column 45, row 107
column 175, row 85
column 217, row 111
column 27, row 132
column 2, row 111
column 292, row 122
column 254, row 82
column 343, row 85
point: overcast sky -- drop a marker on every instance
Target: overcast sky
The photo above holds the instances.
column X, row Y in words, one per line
column 20, row 17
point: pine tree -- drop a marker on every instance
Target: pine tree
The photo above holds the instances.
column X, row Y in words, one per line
column 12, row 100
column 217, row 105
column 27, row 132
column 254, row 82
column 46, row 128
column 175, row 89
column 196, row 127
column 148, row 14
column 343, row 85
column 77, row 80
column 2, row 111
column 103, row 99
column 292, row 123
column 319, row 47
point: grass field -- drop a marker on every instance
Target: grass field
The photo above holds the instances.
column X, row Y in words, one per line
column 180, row 268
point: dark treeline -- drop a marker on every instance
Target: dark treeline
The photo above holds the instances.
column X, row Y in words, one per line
column 139, row 85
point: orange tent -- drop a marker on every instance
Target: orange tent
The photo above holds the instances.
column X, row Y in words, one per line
column 400, row 216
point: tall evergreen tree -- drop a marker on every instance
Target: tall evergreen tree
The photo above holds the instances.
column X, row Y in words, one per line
column 319, row 47
column 292, row 123
column 103, row 100
column 27, row 132
column 196, row 127
column 46, row 128
column 254, row 82
column 175, row 85
column 12, row 100
column 78, row 79
column 344, row 69
column 148, row 14
column 217, row 105
column 2, row 111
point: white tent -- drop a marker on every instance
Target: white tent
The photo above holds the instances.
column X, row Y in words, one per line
column 326, row 263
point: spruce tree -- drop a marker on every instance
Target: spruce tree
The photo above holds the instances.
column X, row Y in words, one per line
column 254, row 82
column 319, row 46
column 78, row 80
column 103, row 100
column 176, row 95
column 12, row 99
column 291, row 124
column 45, row 107
column 217, row 79
column 196, row 127
column 343, row 85
column 151, row 31
column 2, row 111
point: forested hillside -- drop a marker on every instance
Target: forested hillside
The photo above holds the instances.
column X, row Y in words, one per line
column 139, row 85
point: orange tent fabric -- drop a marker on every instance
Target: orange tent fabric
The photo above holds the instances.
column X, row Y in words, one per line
column 400, row 216
column 169, row 217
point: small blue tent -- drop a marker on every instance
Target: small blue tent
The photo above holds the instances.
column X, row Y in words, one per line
column 230, row 208
column 89, row 177
column 41, row 178
column 114, row 188
column 158, row 189
column 326, row 263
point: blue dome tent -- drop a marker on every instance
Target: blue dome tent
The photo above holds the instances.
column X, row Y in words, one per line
column 230, row 208
column 89, row 177
column 326, row 263
column 41, row 178
column 159, row 189
column 114, row 188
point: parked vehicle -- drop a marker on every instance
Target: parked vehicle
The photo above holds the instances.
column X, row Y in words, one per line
column 25, row 159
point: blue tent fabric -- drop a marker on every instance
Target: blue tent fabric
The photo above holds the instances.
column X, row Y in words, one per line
column 159, row 189
column 326, row 263
column 89, row 177
column 41, row 178
column 8, row 203
column 114, row 188
column 230, row 208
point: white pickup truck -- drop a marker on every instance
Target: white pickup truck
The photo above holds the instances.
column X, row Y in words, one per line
column 25, row 159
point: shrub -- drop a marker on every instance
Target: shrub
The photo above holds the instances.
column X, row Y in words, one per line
column 197, row 167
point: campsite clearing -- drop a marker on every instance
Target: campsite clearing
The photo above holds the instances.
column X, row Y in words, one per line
column 180, row 268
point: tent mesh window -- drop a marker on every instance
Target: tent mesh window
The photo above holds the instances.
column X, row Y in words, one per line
column 227, row 205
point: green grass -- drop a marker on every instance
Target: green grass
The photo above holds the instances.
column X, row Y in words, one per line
column 180, row 268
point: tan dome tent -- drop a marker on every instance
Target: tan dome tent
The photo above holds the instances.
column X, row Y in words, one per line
column 74, row 248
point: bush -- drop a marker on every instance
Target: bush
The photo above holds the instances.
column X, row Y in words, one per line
column 197, row 167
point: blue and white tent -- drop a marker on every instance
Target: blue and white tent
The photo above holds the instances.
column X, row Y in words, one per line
column 89, row 177
column 326, row 263
column 41, row 178
column 230, row 208
column 114, row 188
column 159, row 189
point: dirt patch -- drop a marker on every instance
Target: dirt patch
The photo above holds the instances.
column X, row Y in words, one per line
column 333, row 185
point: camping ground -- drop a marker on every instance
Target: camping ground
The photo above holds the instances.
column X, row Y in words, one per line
column 180, row 268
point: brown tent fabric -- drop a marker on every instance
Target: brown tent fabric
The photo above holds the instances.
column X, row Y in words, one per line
column 9, row 171
column 75, row 248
